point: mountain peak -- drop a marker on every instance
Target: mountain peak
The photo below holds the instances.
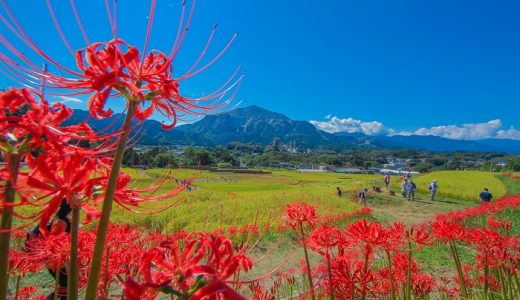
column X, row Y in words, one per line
column 253, row 124
column 255, row 111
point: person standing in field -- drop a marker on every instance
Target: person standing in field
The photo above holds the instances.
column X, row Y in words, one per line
column 387, row 181
column 485, row 196
column 403, row 187
column 363, row 197
column 338, row 192
column 433, row 189
column 410, row 189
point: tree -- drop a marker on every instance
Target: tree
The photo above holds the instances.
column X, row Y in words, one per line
column 194, row 156
column 223, row 156
column 513, row 164
column 165, row 159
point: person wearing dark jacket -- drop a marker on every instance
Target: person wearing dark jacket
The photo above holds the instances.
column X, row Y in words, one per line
column 485, row 196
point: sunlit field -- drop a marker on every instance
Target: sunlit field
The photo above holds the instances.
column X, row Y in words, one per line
column 464, row 185
column 220, row 200
column 227, row 199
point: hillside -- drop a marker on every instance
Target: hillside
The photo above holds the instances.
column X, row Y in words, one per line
column 256, row 125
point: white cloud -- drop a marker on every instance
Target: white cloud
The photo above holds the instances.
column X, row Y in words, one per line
column 511, row 133
column 67, row 99
column 472, row 131
column 350, row 125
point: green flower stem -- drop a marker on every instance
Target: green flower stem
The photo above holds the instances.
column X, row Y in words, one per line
column 17, row 287
column 515, row 277
column 408, row 294
column 486, row 274
column 6, row 223
column 502, row 281
column 367, row 255
column 73, row 272
column 309, row 275
column 102, row 230
column 329, row 268
column 106, row 280
column 456, row 258
column 392, row 285
column 57, row 283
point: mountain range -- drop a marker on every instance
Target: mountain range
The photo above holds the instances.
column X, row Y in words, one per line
column 256, row 125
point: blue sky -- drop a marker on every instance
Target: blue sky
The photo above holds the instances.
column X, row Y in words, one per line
column 378, row 67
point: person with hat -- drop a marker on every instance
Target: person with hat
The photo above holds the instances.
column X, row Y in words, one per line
column 433, row 189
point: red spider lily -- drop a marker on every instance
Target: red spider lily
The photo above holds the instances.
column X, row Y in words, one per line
column 393, row 237
column 370, row 233
column 52, row 250
column 499, row 223
column 446, row 287
column 494, row 285
column 27, row 292
column 13, row 100
column 198, row 264
column 400, row 264
column 422, row 285
column 324, row 239
column 345, row 216
column 135, row 291
column 419, row 236
column 68, row 178
column 300, row 213
column 259, row 293
column 33, row 125
column 114, row 68
column 232, row 230
column 351, row 277
column 22, row 263
column 447, row 231
column 511, row 202
column 468, row 274
column 125, row 245
column 484, row 239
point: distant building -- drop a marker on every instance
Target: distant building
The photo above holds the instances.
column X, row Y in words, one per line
column 275, row 146
column 313, row 169
column 349, row 170
column 291, row 148
column 397, row 172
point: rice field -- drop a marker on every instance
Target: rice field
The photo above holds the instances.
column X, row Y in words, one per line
column 220, row 200
column 464, row 185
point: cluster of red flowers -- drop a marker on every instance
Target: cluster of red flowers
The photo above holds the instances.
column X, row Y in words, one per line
column 498, row 206
column 514, row 176
column 363, row 260
column 62, row 164
column 370, row 260
column 194, row 265
column 346, row 216
column 58, row 167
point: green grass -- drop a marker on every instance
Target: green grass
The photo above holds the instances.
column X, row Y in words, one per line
column 512, row 184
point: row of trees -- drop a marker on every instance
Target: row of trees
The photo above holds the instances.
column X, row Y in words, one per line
column 234, row 154
column 161, row 157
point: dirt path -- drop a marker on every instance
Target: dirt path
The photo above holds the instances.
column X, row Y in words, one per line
column 388, row 209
